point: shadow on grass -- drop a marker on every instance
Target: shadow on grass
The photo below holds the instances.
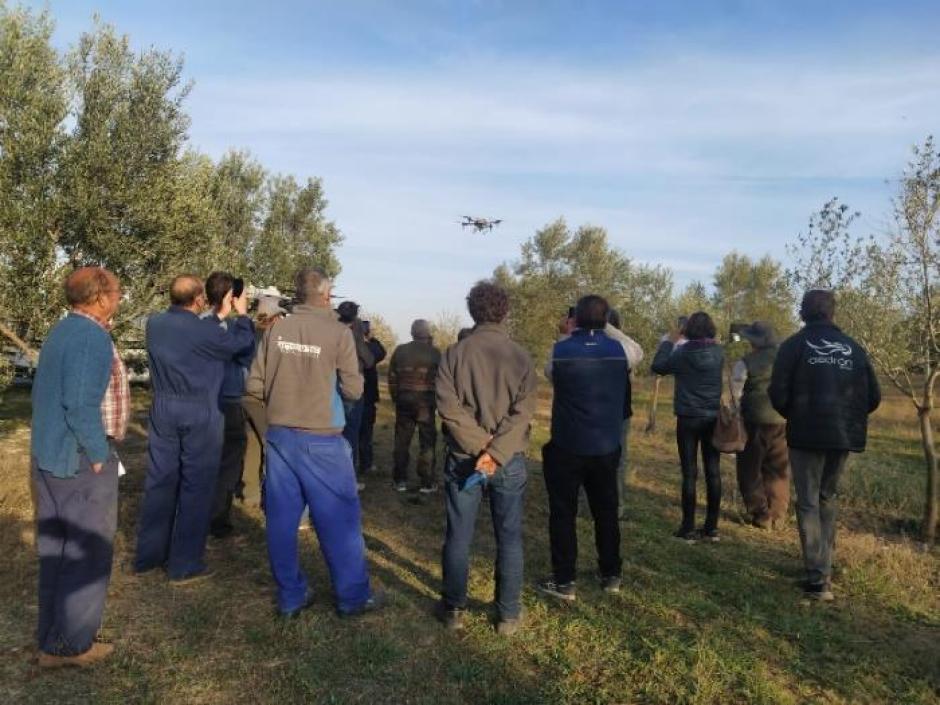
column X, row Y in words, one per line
column 693, row 624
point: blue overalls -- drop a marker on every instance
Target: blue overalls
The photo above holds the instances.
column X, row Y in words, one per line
column 187, row 357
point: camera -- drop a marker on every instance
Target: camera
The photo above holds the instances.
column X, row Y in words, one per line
column 734, row 334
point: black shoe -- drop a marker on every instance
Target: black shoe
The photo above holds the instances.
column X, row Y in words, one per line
column 373, row 604
column 561, row 591
column 711, row 535
column 195, row 577
column 611, row 584
column 822, row 592
column 295, row 613
column 687, row 535
column 450, row 617
column 221, row 530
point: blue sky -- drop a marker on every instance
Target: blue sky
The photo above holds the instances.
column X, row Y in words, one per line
column 686, row 129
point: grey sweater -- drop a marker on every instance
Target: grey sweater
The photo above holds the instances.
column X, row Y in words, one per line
column 297, row 367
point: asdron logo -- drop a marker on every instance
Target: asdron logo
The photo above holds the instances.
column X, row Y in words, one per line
column 828, row 353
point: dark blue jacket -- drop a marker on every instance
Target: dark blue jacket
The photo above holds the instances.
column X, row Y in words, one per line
column 71, row 378
column 187, row 353
column 825, row 387
column 591, row 377
column 697, row 366
column 236, row 369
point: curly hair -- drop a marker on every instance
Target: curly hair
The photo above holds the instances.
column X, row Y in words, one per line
column 488, row 303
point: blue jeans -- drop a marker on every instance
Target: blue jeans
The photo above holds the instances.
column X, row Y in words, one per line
column 507, row 490
column 308, row 470
column 816, row 476
column 354, row 413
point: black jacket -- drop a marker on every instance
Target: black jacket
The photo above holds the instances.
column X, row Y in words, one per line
column 697, row 366
column 370, row 375
column 824, row 386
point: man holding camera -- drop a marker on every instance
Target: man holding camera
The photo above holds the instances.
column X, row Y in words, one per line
column 235, row 439
column 348, row 313
column 186, row 356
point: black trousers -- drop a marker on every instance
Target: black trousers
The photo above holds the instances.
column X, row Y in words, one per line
column 366, row 432
column 694, row 435
column 565, row 474
column 232, row 464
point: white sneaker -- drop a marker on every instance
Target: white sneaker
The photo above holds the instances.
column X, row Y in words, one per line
column 360, row 486
column 428, row 490
column 401, row 487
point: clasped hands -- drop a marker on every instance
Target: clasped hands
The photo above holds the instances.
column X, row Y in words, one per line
column 486, row 463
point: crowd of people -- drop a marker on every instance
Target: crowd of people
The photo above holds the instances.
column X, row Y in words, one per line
column 305, row 386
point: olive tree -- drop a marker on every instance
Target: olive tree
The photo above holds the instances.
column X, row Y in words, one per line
column 889, row 293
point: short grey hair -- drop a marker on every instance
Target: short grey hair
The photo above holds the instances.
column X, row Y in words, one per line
column 420, row 329
column 310, row 282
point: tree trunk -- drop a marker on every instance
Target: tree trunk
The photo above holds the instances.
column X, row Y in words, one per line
column 19, row 342
column 654, row 402
column 132, row 426
column 931, row 509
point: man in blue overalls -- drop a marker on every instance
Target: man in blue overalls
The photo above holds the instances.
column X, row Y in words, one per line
column 187, row 356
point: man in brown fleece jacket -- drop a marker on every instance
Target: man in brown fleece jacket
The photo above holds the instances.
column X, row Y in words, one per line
column 486, row 398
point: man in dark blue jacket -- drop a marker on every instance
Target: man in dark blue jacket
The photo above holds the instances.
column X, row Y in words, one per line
column 824, row 386
column 235, row 435
column 187, row 356
column 591, row 377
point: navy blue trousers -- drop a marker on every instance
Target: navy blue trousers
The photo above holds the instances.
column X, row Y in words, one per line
column 506, row 490
column 354, row 413
column 76, row 518
column 184, row 449
column 307, row 470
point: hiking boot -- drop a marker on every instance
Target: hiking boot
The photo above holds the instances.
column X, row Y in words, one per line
column 450, row 617
column 710, row 535
column 430, row 489
column 762, row 522
column 687, row 535
column 191, row 578
column 611, row 584
column 98, row 652
column 562, row 591
column 373, row 604
column 295, row 613
column 821, row 592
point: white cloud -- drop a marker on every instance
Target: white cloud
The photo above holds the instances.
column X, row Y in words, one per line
column 682, row 159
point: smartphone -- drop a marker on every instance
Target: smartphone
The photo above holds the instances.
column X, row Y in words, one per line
column 238, row 286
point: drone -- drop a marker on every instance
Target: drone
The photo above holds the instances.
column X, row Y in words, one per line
column 479, row 224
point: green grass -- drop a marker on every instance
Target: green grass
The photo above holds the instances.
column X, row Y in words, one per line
column 694, row 624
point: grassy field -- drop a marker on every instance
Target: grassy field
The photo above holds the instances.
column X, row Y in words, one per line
column 694, row 624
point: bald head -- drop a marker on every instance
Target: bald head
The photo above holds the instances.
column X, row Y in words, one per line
column 95, row 291
column 86, row 285
column 185, row 289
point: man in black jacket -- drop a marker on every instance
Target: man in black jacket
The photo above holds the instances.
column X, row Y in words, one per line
column 824, row 386
column 370, row 398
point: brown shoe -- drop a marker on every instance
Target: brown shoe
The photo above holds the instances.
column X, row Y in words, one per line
column 98, row 652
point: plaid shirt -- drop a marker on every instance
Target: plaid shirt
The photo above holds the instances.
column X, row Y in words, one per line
column 116, row 404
